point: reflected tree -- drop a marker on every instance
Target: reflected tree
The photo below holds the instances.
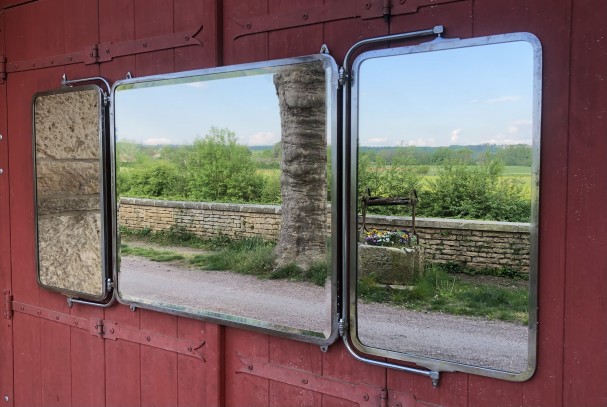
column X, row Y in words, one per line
column 301, row 95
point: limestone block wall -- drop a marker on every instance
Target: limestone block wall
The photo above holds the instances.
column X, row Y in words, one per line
column 68, row 170
column 474, row 244
column 469, row 243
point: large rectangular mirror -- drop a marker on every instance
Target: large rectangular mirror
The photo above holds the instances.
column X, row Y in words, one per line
column 223, row 195
column 69, row 195
column 443, row 244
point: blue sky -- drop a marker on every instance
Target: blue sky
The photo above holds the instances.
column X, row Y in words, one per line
column 464, row 96
column 473, row 95
column 179, row 113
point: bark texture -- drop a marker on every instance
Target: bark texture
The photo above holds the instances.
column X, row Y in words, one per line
column 301, row 95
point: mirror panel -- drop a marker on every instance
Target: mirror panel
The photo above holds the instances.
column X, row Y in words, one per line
column 223, row 182
column 444, row 240
column 68, row 159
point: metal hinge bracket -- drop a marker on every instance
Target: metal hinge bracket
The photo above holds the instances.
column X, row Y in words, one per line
column 2, row 68
column 93, row 55
column 8, row 304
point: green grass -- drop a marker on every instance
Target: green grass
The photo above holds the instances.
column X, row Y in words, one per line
column 253, row 256
column 256, row 257
column 440, row 291
column 175, row 236
column 152, row 254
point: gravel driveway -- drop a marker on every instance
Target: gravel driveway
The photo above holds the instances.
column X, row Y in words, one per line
column 300, row 305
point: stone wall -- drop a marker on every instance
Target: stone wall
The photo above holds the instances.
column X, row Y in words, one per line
column 474, row 244
column 68, row 170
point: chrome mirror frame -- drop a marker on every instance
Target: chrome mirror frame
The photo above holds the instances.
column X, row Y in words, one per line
column 349, row 325
column 103, row 193
column 332, row 135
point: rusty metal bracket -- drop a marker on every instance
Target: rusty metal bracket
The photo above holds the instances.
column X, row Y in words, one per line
column 333, row 11
column 2, row 68
column 111, row 330
column 8, row 301
column 107, row 51
column 360, row 393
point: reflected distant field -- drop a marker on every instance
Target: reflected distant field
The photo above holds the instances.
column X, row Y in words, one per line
column 519, row 173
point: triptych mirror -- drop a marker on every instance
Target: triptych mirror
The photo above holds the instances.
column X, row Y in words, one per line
column 235, row 198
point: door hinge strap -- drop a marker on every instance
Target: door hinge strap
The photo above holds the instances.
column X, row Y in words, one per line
column 111, row 330
column 360, row 393
column 107, row 51
column 2, row 68
column 331, row 11
column 8, row 304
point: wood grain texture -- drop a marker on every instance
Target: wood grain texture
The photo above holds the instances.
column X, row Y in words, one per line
column 586, row 267
column 44, row 363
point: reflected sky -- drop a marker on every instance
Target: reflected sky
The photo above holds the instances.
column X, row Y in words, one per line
column 464, row 96
column 178, row 113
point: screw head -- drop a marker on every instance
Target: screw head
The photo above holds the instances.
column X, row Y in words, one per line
column 6, row 398
column 366, row 397
column 250, row 367
column 111, row 330
column 305, row 381
column 147, row 338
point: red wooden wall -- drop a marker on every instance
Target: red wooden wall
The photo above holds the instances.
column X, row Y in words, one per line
column 47, row 363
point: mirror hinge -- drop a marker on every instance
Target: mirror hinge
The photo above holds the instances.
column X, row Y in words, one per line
column 8, row 304
column 342, row 327
column 109, row 285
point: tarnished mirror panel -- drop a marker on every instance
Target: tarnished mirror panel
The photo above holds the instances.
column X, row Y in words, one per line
column 444, row 238
column 223, row 182
column 69, row 191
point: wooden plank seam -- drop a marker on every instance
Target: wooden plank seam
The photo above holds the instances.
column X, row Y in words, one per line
column 111, row 330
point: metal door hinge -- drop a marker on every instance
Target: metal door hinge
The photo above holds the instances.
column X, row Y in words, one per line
column 8, row 304
column 93, row 55
column 2, row 68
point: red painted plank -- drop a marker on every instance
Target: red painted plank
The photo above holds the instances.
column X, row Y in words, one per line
column 190, row 14
column 122, row 358
column 6, row 327
column 242, row 389
column 585, row 365
column 28, row 372
column 341, row 35
column 194, row 375
column 295, row 41
column 55, row 364
column 122, row 362
column 244, row 49
column 338, row 364
column 296, row 355
column 153, row 17
column 458, row 22
column 549, row 21
column 158, row 367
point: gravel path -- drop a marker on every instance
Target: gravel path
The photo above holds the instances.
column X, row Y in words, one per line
column 306, row 306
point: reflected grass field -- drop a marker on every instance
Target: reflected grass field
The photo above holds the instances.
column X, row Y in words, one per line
column 439, row 291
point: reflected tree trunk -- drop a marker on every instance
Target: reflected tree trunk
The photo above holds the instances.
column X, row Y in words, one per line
column 301, row 95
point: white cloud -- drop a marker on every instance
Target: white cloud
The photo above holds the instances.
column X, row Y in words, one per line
column 154, row 141
column 380, row 141
column 504, row 141
column 455, row 135
column 197, row 85
column 420, row 142
column 263, row 138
